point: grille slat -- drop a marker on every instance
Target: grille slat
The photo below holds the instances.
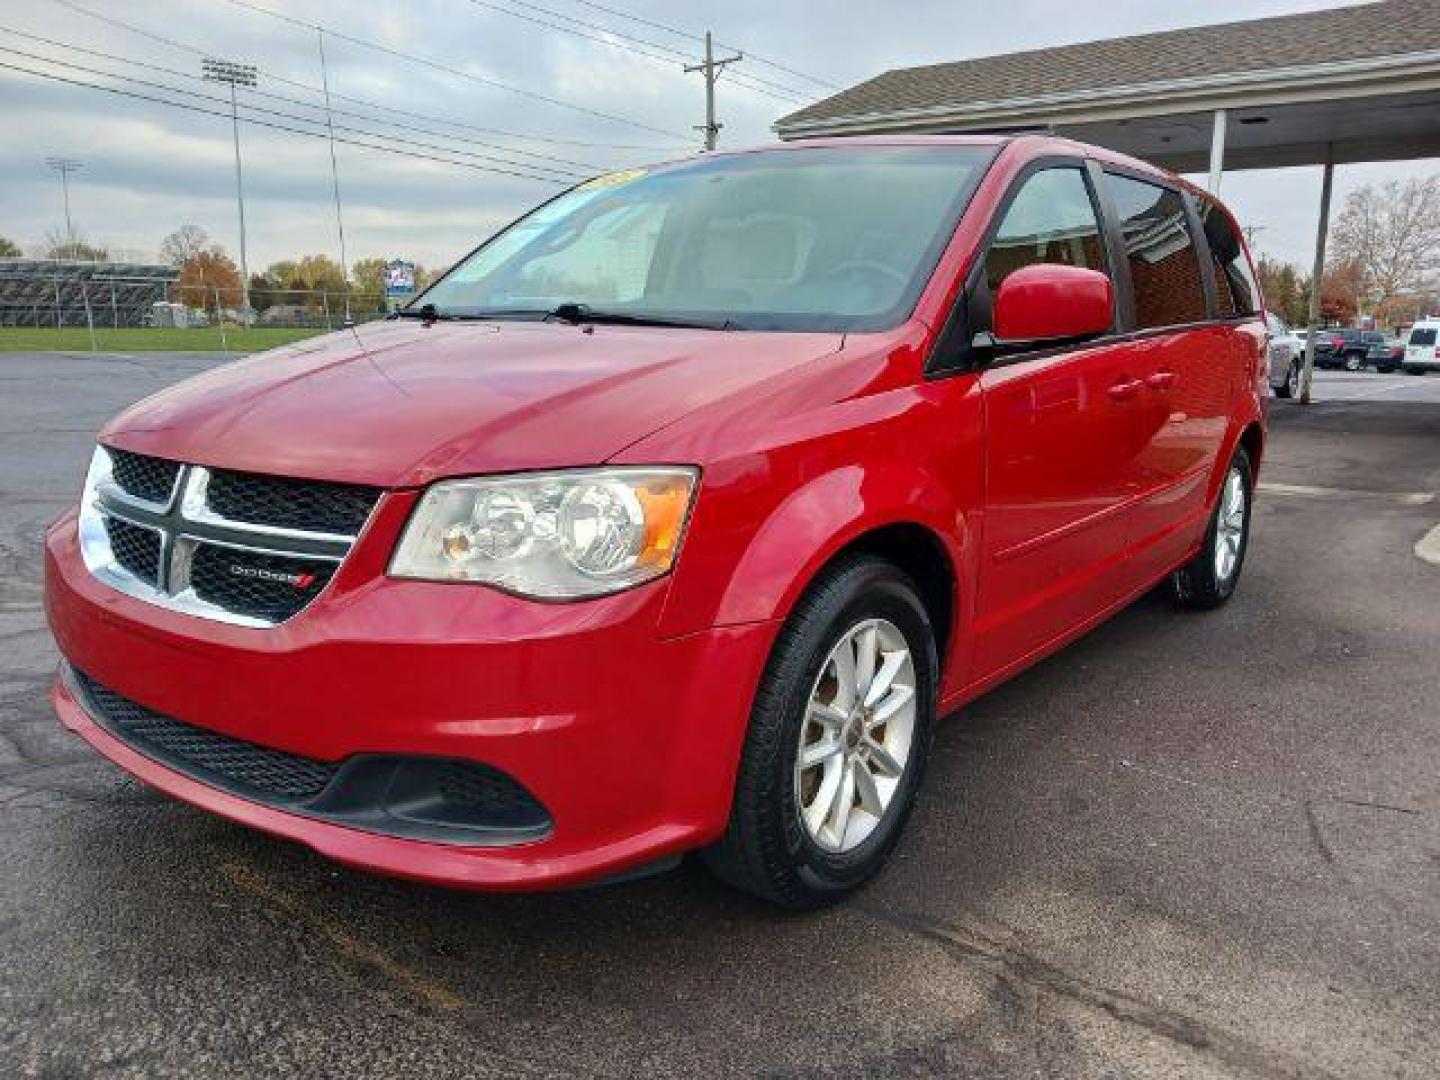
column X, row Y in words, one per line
column 280, row 502
column 135, row 548
column 142, row 477
column 259, row 769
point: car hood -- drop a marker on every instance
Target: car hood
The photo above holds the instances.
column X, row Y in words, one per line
column 398, row 403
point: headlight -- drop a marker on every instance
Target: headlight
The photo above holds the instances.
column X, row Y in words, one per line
column 560, row 535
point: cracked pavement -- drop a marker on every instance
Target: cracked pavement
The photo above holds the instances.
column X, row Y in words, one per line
column 1187, row 846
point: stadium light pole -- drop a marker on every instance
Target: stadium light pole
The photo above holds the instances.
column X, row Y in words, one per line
column 233, row 75
column 65, row 166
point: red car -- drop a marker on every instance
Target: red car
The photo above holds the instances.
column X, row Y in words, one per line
column 672, row 518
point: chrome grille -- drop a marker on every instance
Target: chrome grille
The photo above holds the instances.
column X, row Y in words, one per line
column 149, row 479
column 235, row 547
column 136, row 548
column 291, row 504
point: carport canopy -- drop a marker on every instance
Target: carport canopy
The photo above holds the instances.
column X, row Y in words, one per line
column 1350, row 84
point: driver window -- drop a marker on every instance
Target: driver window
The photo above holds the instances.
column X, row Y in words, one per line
column 1051, row 220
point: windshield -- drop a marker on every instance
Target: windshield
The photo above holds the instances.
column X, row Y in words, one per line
column 811, row 239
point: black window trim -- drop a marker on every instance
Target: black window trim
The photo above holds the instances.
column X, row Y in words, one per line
column 1209, row 261
column 954, row 352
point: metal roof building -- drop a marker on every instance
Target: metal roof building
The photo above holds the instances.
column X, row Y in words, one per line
column 1348, row 84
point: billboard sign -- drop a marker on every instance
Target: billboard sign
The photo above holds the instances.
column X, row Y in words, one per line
column 399, row 278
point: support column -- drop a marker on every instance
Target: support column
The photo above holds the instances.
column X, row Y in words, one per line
column 1217, row 151
column 1317, row 272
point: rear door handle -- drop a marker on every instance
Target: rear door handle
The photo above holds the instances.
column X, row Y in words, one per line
column 1160, row 380
column 1125, row 389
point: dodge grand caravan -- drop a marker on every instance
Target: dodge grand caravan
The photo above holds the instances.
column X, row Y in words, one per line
column 672, row 518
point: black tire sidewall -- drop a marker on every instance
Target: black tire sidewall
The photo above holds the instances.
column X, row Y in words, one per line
column 1224, row 589
column 875, row 590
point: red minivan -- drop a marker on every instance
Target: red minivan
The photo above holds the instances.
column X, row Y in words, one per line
column 672, row 518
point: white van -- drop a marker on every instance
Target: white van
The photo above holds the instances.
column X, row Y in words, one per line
column 1422, row 353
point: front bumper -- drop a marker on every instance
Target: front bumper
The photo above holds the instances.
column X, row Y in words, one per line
column 629, row 740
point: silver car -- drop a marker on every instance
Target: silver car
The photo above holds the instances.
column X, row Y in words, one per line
column 1287, row 357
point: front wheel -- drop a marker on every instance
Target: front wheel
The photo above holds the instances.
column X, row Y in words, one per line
column 1291, row 386
column 837, row 741
column 1209, row 579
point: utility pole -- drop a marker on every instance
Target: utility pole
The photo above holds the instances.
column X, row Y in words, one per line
column 65, row 166
column 712, row 69
column 233, row 75
column 334, row 172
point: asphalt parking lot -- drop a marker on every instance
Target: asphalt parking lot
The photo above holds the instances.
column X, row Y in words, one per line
column 1189, row 845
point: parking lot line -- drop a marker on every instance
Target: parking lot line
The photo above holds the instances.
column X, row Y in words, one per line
column 1404, row 498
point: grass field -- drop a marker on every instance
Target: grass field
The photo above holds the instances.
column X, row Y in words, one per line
column 196, row 339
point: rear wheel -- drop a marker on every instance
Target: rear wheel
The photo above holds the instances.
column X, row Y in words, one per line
column 837, row 741
column 1209, row 579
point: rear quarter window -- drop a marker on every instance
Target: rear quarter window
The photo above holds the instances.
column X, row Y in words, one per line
column 1235, row 287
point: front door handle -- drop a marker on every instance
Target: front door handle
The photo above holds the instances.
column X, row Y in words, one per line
column 1125, row 389
column 1160, row 380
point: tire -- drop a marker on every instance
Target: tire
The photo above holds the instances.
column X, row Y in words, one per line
column 768, row 848
column 1413, row 370
column 1291, row 386
column 1206, row 581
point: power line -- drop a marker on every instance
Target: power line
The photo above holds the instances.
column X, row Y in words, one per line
column 375, row 105
column 606, row 36
column 750, row 54
column 274, row 126
column 482, row 80
column 564, row 174
column 585, row 166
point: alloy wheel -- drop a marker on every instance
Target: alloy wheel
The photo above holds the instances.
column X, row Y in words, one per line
column 1230, row 526
column 856, row 736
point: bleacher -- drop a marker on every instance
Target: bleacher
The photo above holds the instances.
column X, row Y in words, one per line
column 46, row 292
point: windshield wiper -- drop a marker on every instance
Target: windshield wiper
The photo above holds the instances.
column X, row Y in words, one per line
column 428, row 312
column 576, row 314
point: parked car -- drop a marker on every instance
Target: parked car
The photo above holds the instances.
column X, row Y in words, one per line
column 1386, row 355
column 1345, row 348
column 1286, row 357
column 673, row 517
column 1421, row 351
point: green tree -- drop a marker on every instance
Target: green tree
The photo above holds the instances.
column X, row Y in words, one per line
column 9, row 249
column 1281, row 284
column 368, row 280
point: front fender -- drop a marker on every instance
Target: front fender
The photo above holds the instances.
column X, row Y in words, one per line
column 757, row 573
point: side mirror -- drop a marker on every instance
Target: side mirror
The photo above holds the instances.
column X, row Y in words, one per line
column 1051, row 302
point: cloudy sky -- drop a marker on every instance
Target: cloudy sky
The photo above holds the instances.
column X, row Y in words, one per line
column 586, row 106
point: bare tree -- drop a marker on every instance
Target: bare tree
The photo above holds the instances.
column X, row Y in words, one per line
column 72, row 246
column 1392, row 237
column 184, row 244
